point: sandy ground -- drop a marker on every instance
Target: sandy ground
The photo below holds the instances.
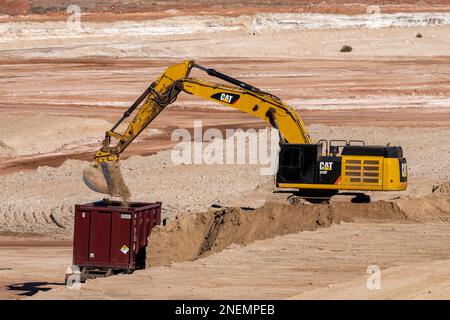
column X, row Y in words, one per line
column 60, row 90
column 417, row 281
column 304, row 265
column 289, row 265
column 28, row 265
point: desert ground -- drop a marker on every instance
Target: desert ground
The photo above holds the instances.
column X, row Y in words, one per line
column 62, row 88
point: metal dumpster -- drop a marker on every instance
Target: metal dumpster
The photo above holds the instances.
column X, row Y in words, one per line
column 109, row 238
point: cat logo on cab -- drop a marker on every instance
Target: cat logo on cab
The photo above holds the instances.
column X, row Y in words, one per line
column 229, row 98
column 325, row 166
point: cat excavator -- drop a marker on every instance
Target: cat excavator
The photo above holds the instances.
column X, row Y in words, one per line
column 320, row 169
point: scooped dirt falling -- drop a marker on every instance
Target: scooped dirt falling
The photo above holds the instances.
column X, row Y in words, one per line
column 120, row 188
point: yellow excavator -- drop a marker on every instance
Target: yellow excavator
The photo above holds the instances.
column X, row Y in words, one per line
column 319, row 169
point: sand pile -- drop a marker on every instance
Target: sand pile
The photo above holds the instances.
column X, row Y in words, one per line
column 418, row 281
column 191, row 236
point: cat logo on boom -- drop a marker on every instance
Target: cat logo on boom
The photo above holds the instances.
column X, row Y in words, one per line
column 229, row 98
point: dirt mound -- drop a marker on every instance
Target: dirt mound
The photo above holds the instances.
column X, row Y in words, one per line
column 191, row 236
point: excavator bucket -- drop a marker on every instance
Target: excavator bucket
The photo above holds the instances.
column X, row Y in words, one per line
column 106, row 178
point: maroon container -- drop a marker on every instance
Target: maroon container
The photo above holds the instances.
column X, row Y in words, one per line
column 110, row 238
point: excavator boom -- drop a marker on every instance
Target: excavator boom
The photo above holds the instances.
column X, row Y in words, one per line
column 104, row 174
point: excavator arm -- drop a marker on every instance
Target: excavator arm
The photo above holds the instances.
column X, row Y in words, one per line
column 104, row 175
column 256, row 103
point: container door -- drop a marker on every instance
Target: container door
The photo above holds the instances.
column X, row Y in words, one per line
column 81, row 237
column 142, row 225
column 121, row 238
column 100, row 237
